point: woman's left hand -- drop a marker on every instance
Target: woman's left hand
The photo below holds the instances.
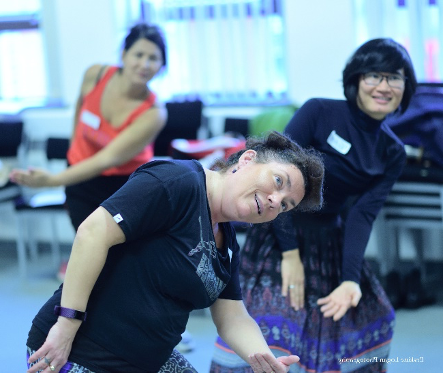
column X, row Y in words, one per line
column 346, row 295
column 56, row 348
column 293, row 278
column 267, row 363
column 33, row 177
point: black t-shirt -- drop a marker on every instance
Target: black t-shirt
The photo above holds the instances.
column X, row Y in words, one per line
column 168, row 266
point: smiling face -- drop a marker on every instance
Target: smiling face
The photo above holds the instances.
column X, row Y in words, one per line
column 257, row 193
column 379, row 101
column 142, row 61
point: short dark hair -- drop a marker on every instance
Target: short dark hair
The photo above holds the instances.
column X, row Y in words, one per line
column 149, row 32
column 379, row 55
column 281, row 148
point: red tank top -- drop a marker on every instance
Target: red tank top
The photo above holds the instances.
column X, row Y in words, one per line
column 93, row 132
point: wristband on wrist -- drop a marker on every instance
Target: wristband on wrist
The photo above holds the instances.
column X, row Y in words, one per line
column 70, row 313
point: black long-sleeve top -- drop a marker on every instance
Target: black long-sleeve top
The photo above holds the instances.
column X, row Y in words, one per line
column 363, row 159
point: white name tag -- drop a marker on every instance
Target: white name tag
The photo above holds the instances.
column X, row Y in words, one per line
column 338, row 143
column 90, row 119
column 118, row 218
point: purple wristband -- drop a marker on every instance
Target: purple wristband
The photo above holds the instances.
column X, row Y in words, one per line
column 70, row 313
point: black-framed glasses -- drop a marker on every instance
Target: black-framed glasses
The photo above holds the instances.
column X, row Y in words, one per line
column 394, row 80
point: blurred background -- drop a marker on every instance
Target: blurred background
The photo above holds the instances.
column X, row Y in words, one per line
column 233, row 65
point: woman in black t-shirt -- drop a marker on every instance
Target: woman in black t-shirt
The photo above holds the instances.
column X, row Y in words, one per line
column 161, row 247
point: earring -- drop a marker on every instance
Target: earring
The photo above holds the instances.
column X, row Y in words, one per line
column 234, row 170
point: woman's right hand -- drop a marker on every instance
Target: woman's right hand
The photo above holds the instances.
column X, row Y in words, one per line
column 340, row 300
column 293, row 278
column 57, row 346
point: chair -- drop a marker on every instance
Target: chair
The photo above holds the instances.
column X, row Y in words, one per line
column 10, row 137
column 33, row 203
column 11, row 134
column 412, row 205
column 237, row 126
column 9, row 191
column 184, row 121
column 416, row 200
column 275, row 118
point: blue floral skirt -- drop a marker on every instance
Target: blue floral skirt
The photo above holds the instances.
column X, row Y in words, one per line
column 358, row 342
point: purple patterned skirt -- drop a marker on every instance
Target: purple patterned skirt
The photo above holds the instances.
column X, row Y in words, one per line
column 358, row 342
column 69, row 367
column 176, row 363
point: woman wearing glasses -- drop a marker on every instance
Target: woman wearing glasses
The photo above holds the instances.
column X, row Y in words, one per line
column 304, row 277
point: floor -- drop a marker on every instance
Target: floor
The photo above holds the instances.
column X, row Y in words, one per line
column 418, row 334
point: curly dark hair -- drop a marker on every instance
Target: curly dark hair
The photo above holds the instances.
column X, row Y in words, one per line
column 281, row 148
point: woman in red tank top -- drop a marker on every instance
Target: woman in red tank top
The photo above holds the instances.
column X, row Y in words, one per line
column 117, row 119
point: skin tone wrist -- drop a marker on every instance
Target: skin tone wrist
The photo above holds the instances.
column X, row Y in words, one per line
column 350, row 282
column 68, row 324
column 55, row 180
column 291, row 253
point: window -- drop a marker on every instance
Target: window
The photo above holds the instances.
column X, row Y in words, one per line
column 224, row 52
column 416, row 24
column 22, row 68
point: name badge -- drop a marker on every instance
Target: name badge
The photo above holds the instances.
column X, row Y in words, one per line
column 90, row 119
column 338, row 143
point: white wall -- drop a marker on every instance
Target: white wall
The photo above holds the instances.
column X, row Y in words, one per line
column 320, row 39
column 77, row 34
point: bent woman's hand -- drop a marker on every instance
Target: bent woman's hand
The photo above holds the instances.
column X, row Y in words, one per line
column 345, row 296
column 267, row 363
column 32, row 177
column 56, row 348
column 293, row 278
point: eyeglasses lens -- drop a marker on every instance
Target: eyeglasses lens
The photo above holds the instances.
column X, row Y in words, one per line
column 394, row 80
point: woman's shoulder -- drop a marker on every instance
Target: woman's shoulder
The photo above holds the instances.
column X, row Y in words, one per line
column 182, row 180
column 326, row 103
column 174, row 169
column 320, row 107
column 153, row 102
column 158, row 102
column 92, row 75
column 95, row 72
column 395, row 141
column 153, row 110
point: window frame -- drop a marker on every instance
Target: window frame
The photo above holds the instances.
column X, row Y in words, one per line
column 19, row 22
column 265, row 95
column 13, row 22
